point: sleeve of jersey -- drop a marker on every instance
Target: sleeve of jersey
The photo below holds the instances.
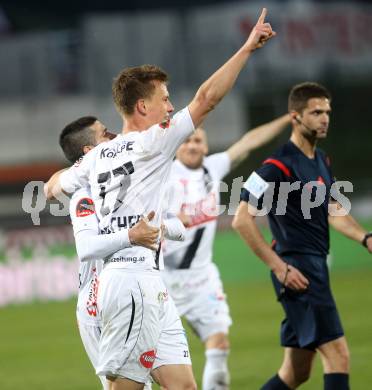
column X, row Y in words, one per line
column 92, row 246
column 218, row 164
column 167, row 136
column 174, row 228
column 259, row 182
column 77, row 176
column 89, row 244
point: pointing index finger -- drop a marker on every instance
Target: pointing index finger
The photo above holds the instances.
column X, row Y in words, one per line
column 262, row 17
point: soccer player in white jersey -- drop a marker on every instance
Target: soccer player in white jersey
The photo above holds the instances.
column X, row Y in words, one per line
column 76, row 139
column 127, row 177
column 191, row 277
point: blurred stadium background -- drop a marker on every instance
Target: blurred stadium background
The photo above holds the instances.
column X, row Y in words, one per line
column 57, row 63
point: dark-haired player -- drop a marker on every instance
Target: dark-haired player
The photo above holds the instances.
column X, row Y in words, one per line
column 299, row 217
column 76, row 139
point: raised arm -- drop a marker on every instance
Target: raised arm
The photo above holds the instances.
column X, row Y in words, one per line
column 349, row 227
column 219, row 84
column 244, row 223
column 256, row 138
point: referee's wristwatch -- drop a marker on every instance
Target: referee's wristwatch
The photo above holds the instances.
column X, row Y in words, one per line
column 366, row 237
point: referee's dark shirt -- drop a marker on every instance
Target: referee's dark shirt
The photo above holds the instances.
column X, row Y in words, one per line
column 294, row 231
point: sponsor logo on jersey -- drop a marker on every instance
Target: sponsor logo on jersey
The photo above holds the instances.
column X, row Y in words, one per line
column 85, row 207
column 147, row 359
column 117, row 149
column 127, row 259
column 205, row 210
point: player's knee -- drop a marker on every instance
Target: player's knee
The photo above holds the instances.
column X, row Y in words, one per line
column 218, row 341
column 338, row 360
column 295, row 377
column 343, row 359
column 222, row 344
column 186, row 383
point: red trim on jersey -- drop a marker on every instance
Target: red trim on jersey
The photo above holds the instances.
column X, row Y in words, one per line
column 278, row 164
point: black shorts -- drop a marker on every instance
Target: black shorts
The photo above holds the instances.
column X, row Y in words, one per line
column 312, row 318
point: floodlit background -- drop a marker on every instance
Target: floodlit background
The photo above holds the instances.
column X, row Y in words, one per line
column 57, row 64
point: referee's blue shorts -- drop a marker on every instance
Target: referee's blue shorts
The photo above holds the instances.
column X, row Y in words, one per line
column 312, row 318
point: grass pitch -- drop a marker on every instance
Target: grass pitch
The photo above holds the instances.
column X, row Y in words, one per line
column 40, row 347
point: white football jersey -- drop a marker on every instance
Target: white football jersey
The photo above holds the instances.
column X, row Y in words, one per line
column 127, row 177
column 83, row 217
column 195, row 192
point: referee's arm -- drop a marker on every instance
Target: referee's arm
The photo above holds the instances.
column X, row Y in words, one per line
column 244, row 223
column 344, row 223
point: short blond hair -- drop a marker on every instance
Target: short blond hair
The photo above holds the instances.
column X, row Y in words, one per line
column 135, row 83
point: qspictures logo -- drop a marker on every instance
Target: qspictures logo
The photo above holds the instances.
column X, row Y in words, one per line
column 312, row 195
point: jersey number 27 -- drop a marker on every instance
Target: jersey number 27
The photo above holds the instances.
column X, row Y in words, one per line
column 104, row 180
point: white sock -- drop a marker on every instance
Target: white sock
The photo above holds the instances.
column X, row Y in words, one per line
column 216, row 374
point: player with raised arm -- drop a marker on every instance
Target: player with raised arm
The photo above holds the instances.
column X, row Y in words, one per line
column 303, row 206
column 190, row 275
column 127, row 177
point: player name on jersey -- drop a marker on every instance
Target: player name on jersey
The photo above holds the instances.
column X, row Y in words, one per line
column 119, row 223
column 117, row 149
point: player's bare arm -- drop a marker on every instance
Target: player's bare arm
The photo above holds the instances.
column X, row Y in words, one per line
column 244, row 223
column 348, row 226
column 219, row 84
column 256, row 138
column 52, row 187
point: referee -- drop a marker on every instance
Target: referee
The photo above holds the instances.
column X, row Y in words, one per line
column 297, row 179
